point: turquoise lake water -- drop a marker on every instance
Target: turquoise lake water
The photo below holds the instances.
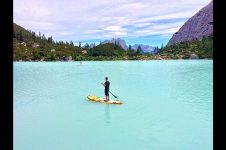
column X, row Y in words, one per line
column 168, row 105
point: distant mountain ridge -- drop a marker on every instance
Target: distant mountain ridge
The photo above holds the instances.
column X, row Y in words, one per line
column 47, row 45
column 122, row 43
column 117, row 41
column 91, row 45
column 145, row 48
column 197, row 27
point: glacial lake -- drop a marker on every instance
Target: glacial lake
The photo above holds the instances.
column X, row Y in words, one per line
column 168, row 105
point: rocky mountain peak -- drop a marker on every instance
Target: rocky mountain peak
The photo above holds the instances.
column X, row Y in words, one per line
column 197, row 27
column 118, row 41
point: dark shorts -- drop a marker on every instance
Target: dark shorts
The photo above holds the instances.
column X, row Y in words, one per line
column 106, row 93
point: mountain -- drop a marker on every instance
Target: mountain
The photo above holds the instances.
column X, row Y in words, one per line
column 145, row 48
column 117, row 41
column 202, row 49
column 29, row 46
column 17, row 29
column 92, row 45
column 122, row 43
column 197, row 27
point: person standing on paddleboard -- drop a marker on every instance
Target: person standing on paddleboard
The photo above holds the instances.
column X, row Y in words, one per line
column 106, row 90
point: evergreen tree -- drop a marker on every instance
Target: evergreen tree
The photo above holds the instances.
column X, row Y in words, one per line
column 43, row 37
column 18, row 36
column 162, row 46
column 157, row 48
column 33, row 35
column 130, row 48
column 21, row 38
column 79, row 45
column 50, row 39
column 39, row 35
column 71, row 43
column 139, row 50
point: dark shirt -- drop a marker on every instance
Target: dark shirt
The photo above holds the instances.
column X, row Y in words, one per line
column 107, row 84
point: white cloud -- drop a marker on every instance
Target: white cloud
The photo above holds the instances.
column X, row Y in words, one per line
column 114, row 28
column 91, row 19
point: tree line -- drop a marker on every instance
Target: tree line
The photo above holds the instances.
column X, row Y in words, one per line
column 29, row 46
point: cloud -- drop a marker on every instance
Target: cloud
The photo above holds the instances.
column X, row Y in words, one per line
column 98, row 19
column 114, row 28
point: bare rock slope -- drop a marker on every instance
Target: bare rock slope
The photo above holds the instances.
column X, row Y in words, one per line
column 197, row 27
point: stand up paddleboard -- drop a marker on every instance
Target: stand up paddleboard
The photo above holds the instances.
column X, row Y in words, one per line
column 102, row 100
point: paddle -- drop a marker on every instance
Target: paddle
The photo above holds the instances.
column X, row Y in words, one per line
column 110, row 91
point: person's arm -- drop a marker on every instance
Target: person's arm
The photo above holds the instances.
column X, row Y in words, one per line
column 103, row 84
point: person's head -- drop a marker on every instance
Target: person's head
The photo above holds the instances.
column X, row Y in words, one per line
column 106, row 78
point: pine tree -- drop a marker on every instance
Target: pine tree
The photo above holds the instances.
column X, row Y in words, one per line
column 139, row 50
column 21, row 38
column 162, row 46
column 39, row 35
column 157, row 48
column 79, row 45
column 43, row 37
column 33, row 35
column 130, row 48
column 18, row 36
column 71, row 43
column 49, row 40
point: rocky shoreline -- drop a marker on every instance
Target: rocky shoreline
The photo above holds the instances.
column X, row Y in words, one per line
column 143, row 59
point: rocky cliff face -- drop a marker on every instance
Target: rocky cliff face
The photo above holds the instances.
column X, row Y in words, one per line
column 92, row 45
column 145, row 48
column 197, row 27
column 122, row 43
column 118, row 41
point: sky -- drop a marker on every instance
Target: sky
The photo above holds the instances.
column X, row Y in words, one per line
column 149, row 22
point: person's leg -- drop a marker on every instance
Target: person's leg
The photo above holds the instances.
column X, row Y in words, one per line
column 106, row 95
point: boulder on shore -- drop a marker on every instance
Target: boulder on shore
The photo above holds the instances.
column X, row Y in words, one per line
column 69, row 58
column 194, row 56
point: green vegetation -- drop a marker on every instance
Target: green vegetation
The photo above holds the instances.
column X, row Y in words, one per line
column 107, row 49
column 29, row 46
column 202, row 48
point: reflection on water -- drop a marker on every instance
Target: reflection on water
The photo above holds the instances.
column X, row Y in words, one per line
column 107, row 114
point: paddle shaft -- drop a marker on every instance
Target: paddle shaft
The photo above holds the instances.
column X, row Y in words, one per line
column 110, row 91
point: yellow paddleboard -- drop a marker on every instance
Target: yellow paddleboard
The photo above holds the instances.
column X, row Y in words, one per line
column 102, row 100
